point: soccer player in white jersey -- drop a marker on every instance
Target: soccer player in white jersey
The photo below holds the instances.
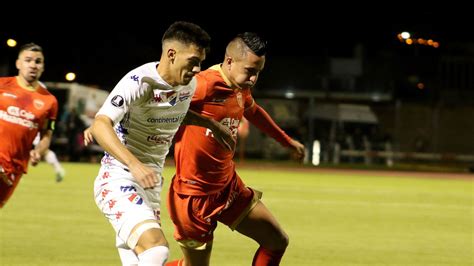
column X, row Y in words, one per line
column 135, row 126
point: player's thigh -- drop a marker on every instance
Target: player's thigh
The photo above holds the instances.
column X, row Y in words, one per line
column 262, row 226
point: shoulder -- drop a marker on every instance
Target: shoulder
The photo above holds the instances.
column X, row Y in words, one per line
column 137, row 73
column 209, row 77
column 7, row 80
column 210, row 74
column 43, row 90
column 46, row 95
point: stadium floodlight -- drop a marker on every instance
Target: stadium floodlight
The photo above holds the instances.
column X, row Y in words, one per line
column 11, row 43
column 405, row 35
column 70, row 76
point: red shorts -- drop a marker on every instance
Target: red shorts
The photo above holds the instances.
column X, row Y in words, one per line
column 195, row 217
column 6, row 189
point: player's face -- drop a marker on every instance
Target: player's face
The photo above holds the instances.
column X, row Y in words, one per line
column 187, row 63
column 244, row 71
column 30, row 65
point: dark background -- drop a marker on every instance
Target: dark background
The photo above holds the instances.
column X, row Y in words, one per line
column 101, row 47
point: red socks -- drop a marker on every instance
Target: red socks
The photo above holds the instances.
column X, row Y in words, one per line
column 265, row 257
column 174, row 263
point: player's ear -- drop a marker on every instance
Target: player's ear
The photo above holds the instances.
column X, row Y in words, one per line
column 17, row 64
column 171, row 54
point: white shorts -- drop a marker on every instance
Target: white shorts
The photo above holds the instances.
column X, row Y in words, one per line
column 124, row 202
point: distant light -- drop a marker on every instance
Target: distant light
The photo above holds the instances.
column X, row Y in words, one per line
column 11, row 43
column 405, row 35
column 409, row 39
column 376, row 97
column 420, row 85
column 316, row 152
column 289, row 94
column 70, row 76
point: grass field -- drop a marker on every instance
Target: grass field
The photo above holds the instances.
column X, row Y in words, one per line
column 332, row 218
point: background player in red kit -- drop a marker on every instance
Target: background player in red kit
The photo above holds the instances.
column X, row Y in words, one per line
column 206, row 188
column 26, row 108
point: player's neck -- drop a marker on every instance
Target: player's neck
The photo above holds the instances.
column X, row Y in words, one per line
column 165, row 73
column 31, row 86
column 225, row 74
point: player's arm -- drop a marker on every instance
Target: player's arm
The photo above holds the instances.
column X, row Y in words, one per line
column 46, row 134
column 221, row 133
column 42, row 147
column 117, row 104
column 88, row 138
column 104, row 134
column 256, row 115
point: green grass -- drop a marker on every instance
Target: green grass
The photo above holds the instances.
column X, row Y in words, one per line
column 332, row 219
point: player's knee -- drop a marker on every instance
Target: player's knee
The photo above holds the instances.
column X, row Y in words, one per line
column 283, row 241
column 279, row 241
column 157, row 255
column 146, row 236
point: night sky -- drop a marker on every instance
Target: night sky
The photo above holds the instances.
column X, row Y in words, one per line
column 102, row 54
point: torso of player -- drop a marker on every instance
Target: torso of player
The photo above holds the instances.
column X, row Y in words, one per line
column 204, row 166
column 148, row 129
column 226, row 106
column 151, row 119
column 22, row 115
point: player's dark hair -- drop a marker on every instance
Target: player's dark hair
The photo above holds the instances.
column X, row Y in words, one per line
column 253, row 41
column 30, row 47
column 188, row 33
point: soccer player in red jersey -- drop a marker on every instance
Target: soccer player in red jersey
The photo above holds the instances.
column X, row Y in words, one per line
column 26, row 108
column 206, row 188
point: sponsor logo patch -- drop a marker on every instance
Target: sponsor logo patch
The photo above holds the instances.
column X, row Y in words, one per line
column 6, row 94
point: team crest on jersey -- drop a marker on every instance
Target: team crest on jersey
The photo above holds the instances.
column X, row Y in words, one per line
column 134, row 198
column 239, row 99
column 183, row 96
column 38, row 104
column 166, row 97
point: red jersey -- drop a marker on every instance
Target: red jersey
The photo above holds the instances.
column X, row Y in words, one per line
column 203, row 166
column 23, row 114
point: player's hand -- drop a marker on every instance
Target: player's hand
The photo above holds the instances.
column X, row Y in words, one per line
column 298, row 150
column 223, row 135
column 4, row 177
column 35, row 157
column 145, row 176
column 88, row 138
